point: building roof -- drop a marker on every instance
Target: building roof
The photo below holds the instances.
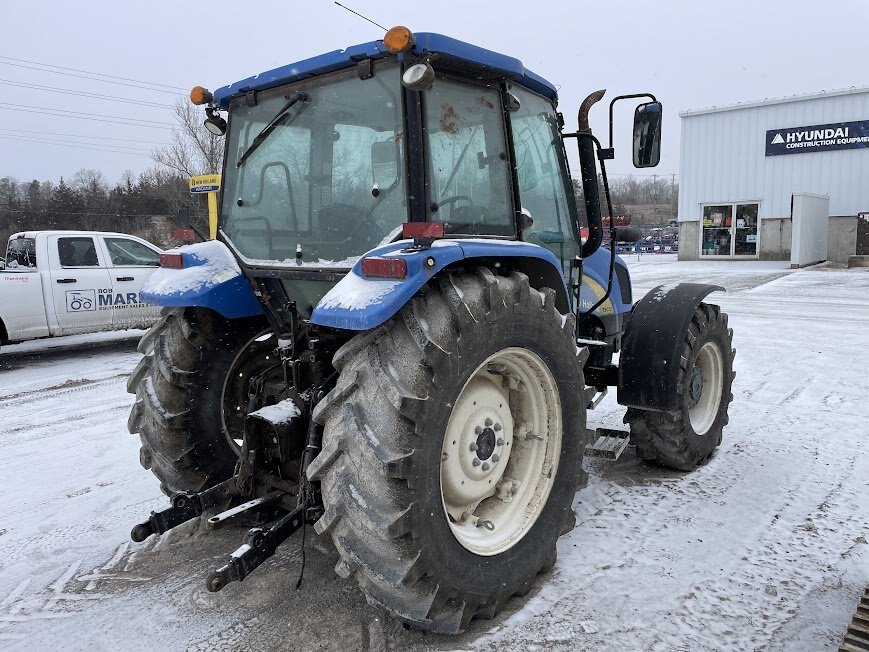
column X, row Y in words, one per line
column 426, row 43
column 854, row 90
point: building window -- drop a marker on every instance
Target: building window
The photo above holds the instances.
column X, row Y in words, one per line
column 745, row 242
column 729, row 230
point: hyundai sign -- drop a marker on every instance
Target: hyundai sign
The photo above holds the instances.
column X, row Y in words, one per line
column 818, row 138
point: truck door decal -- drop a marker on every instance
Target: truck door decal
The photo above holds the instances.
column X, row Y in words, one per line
column 109, row 300
column 80, row 300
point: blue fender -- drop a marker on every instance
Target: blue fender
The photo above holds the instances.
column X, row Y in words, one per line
column 210, row 278
column 360, row 303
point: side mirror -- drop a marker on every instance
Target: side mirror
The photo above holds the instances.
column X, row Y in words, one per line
column 384, row 164
column 647, row 135
column 2, row 264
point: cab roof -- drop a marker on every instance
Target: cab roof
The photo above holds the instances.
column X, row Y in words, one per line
column 426, row 43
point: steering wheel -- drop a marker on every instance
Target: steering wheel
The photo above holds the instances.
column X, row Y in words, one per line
column 449, row 201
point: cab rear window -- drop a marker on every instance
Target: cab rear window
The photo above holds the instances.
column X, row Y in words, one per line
column 21, row 252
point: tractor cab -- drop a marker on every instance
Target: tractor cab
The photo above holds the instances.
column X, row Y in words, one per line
column 328, row 158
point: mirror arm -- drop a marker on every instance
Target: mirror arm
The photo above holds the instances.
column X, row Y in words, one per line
column 609, row 152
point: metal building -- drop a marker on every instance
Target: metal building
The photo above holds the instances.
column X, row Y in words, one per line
column 782, row 179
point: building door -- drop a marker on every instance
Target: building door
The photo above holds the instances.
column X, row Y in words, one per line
column 862, row 234
column 730, row 230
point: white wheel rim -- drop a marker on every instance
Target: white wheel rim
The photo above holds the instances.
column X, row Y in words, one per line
column 703, row 404
column 500, row 453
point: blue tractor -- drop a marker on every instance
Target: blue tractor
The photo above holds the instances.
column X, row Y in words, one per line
column 398, row 332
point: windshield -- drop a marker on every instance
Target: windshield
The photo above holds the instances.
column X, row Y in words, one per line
column 327, row 183
column 21, row 252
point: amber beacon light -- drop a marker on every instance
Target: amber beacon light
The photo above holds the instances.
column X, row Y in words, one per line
column 398, row 39
column 200, row 95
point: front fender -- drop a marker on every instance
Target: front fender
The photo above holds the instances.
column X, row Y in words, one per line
column 652, row 345
column 360, row 303
column 210, row 278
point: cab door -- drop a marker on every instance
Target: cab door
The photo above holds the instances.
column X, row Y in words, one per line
column 79, row 277
column 131, row 262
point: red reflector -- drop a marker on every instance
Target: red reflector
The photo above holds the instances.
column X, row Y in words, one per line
column 175, row 261
column 384, row 267
column 423, row 230
column 186, row 235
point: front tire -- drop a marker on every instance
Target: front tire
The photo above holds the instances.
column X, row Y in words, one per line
column 397, row 461
column 191, row 388
column 686, row 437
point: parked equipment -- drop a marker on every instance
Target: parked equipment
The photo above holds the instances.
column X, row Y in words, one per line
column 398, row 333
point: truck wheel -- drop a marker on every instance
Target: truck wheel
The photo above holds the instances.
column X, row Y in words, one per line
column 685, row 438
column 452, row 447
column 191, row 394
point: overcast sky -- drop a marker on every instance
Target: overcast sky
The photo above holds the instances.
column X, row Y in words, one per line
column 690, row 54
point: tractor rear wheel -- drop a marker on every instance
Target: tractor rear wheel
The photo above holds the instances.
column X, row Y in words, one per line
column 191, row 394
column 452, row 448
column 686, row 437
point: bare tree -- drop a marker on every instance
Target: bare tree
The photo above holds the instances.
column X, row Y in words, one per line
column 192, row 149
column 86, row 180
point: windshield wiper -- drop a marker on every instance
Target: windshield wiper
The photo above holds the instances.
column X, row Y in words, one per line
column 262, row 135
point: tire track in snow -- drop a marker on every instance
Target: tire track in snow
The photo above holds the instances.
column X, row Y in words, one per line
column 748, row 608
column 57, row 391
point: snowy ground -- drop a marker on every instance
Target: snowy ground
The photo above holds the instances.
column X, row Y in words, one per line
column 763, row 548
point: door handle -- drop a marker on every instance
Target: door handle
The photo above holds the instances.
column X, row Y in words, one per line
column 66, row 280
column 125, row 278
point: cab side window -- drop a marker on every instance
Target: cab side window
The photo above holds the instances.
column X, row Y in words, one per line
column 77, row 252
column 542, row 187
column 470, row 180
column 125, row 253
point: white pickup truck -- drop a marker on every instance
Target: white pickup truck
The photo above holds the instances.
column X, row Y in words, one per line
column 65, row 282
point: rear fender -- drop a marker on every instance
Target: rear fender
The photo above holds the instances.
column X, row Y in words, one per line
column 360, row 303
column 210, row 278
column 652, row 345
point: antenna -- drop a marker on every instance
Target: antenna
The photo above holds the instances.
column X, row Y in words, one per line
column 360, row 15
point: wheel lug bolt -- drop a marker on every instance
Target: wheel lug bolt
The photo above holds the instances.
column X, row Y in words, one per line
column 476, row 461
column 497, row 427
column 478, row 430
column 500, row 441
column 486, row 466
column 473, row 445
column 496, row 457
column 488, row 422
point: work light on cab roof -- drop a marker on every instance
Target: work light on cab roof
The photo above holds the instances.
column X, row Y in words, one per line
column 214, row 123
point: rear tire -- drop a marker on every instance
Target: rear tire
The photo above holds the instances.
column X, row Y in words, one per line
column 185, row 409
column 686, row 437
column 388, row 469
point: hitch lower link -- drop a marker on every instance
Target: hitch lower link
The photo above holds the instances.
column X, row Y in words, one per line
column 259, row 544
